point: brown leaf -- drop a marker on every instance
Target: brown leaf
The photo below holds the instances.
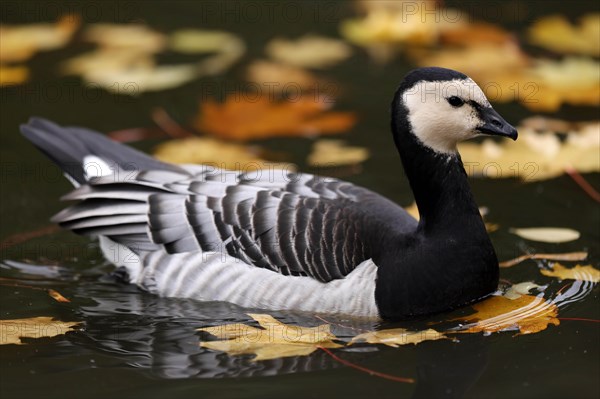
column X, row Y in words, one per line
column 398, row 336
column 528, row 314
column 584, row 273
column 244, row 118
column 274, row 340
column 11, row 331
column 476, row 34
column 569, row 256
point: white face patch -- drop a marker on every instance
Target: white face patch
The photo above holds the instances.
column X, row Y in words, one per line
column 436, row 123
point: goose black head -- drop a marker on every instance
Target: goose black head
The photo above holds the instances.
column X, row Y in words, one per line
column 442, row 107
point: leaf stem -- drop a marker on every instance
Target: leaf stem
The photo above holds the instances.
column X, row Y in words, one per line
column 367, row 370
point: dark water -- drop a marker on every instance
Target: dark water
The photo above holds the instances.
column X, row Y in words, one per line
column 135, row 344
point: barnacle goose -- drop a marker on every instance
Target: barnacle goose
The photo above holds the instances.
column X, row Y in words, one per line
column 295, row 241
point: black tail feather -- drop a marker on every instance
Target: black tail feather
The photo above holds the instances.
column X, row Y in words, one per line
column 68, row 146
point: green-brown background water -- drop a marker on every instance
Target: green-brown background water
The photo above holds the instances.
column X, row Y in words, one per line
column 135, row 344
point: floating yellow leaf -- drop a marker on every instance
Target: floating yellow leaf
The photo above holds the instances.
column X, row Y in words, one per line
column 125, row 64
column 13, row 75
column 535, row 156
column 137, row 37
column 558, row 34
column 203, row 150
column 517, row 290
column 274, row 340
column 528, row 314
column 569, row 256
column 546, row 234
column 398, row 336
column 573, row 80
column 387, row 25
column 332, row 153
column 21, row 42
column 194, row 41
column 11, row 331
column 309, row 51
column 585, row 273
column 247, row 116
column 142, row 78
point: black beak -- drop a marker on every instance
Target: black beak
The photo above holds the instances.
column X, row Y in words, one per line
column 495, row 125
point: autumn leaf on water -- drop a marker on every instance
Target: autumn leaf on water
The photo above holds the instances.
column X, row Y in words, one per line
column 546, row 234
column 536, row 155
column 556, row 33
column 579, row 272
column 57, row 296
column 221, row 154
column 13, row 75
column 11, row 331
column 21, row 42
column 476, row 33
column 517, row 290
column 398, row 336
column 273, row 340
column 309, row 51
column 137, row 37
column 247, row 117
column 335, row 153
column 569, row 256
column 529, row 314
column 280, row 77
column 125, row 63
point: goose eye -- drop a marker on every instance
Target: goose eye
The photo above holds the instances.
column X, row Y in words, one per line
column 455, row 101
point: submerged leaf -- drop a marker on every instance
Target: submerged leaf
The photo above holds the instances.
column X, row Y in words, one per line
column 309, row 51
column 274, row 340
column 11, row 331
column 398, row 336
column 528, row 314
column 547, row 234
column 246, row 117
column 584, row 273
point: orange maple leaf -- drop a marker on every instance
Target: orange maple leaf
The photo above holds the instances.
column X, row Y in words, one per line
column 242, row 118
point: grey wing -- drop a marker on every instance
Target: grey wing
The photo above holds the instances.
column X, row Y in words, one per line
column 294, row 224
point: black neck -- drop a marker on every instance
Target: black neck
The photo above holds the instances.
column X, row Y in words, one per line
column 438, row 180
